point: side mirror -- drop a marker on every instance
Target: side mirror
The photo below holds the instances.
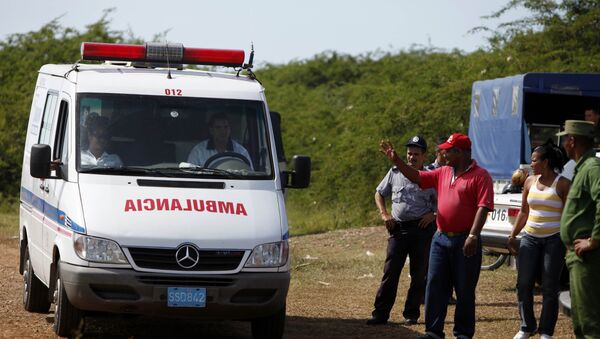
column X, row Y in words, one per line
column 300, row 171
column 39, row 165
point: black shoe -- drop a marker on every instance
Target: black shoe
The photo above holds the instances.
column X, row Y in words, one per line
column 376, row 321
column 409, row 322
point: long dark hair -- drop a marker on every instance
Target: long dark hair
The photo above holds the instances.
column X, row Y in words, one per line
column 549, row 150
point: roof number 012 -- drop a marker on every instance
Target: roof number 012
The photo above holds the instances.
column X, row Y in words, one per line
column 173, row 91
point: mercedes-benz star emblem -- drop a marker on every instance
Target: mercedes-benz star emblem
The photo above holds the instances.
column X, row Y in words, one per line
column 187, row 256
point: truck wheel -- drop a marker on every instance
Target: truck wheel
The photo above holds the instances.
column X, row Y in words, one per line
column 499, row 262
column 35, row 293
column 270, row 327
column 67, row 318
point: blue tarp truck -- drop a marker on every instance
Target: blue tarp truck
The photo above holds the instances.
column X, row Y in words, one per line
column 511, row 116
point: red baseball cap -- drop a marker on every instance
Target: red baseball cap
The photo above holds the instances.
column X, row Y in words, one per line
column 457, row 140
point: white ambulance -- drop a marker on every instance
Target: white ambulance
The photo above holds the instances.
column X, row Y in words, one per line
column 152, row 189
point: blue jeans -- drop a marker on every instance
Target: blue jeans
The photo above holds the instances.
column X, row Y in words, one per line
column 548, row 256
column 448, row 268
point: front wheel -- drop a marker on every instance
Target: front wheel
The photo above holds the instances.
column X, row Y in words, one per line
column 68, row 320
column 35, row 293
column 270, row 327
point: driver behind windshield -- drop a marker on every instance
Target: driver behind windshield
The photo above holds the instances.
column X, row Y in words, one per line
column 98, row 137
column 220, row 141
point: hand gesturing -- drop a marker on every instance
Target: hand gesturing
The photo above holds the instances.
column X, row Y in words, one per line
column 386, row 147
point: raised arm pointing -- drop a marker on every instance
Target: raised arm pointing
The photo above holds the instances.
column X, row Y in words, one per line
column 386, row 147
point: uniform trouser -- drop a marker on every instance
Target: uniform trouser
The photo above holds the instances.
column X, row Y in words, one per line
column 448, row 268
column 413, row 242
column 584, row 276
column 547, row 254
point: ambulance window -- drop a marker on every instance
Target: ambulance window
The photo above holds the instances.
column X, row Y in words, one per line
column 46, row 127
column 189, row 137
column 61, row 130
column 65, row 145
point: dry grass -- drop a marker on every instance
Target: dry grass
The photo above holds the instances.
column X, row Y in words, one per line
column 334, row 281
column 9, row 224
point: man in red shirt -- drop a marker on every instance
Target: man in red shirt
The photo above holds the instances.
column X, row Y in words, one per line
column 465, row 196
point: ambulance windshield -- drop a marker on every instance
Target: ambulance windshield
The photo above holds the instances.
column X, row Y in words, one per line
column 172, row 136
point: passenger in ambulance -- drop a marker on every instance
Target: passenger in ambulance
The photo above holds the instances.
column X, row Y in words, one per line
column 220, row 142
column 98, row 138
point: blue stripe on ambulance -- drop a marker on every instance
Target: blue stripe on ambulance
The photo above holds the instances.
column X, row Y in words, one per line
column 50, row 211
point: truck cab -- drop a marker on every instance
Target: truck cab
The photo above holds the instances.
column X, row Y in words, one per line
column 153, row 189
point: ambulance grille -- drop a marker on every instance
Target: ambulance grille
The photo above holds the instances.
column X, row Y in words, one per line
column 185, row 281
column 165, row 259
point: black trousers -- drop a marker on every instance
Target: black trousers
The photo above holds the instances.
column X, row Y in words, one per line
column 407, row 239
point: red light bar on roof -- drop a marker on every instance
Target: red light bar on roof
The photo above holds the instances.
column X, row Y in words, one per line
column 162, row 53
column 223, row 57
column 102, row 51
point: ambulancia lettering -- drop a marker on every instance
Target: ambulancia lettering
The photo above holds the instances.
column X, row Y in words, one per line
column 195, row 205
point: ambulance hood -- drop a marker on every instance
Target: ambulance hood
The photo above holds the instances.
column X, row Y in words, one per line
column 118, row 208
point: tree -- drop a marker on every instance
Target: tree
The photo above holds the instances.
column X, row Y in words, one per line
column 21, row 56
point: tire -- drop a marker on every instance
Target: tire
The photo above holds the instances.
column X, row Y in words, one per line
column 35, row 293
column 68, row 320
column 499, row 262
column 270, row 327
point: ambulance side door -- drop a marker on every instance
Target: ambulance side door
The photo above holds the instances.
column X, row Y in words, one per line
column 54, row 222
column 39, row 257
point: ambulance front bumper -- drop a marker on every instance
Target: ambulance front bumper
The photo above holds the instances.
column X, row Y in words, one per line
column 240, row 296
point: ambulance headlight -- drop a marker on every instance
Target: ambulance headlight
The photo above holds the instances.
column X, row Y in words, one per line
column 269, row 255
column 98, row 250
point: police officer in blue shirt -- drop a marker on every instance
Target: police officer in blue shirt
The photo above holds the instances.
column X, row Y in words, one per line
column 411, row 226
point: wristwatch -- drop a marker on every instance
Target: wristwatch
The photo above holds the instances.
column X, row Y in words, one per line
column 473, row 236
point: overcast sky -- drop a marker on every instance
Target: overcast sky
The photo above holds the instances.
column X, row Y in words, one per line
column 282, row 30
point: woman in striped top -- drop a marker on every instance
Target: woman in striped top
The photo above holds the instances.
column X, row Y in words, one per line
column 541, row 248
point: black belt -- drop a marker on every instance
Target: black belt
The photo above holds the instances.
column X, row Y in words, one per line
column 408, row 224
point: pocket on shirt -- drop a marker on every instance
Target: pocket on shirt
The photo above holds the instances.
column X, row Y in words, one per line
column 575, row 193
column 574, row 199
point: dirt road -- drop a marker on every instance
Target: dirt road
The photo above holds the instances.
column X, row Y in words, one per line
column 334, row 279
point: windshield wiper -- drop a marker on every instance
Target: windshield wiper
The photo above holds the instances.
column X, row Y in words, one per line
column 124, row 170
column 205, row 170
column 162, row 171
